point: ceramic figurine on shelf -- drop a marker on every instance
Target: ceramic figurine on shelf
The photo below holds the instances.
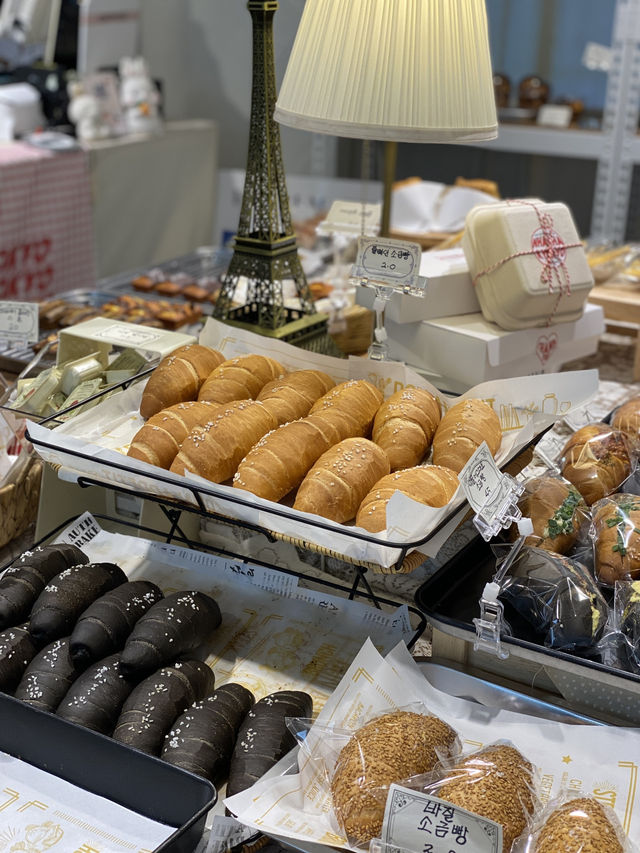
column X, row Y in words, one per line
column 85, row 112
column 139, row 97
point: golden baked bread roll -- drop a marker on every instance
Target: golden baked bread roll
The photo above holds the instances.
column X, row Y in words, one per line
column 359, row 397
column 160, row 439
column 597, row 460
column 388, row 749
column 214, row 450
column 432, row 485
column 240, row 378
column 580, row 825
column 279, row 462
column 627, row 418
column 556, row 509
column 339, row 480
column 495, row 783
column 405, row 424
column 292, row 396
column 616, row 524
column 178, row 378
column 462, row 430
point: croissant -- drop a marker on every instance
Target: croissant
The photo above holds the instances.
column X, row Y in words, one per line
column 432, row 485
column 178, row 377
column 291, row 398
column 215, row 449
column 359, row 397
column 160, row 439
column 597, row 460
column 462, row 430
column 95, row 698
column 48, row 677
column 339, row 480
column 405, row 424
column 240, row 378
column 279, row 462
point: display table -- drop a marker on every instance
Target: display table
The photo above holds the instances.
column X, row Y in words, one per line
column 46, row 238
column 153, row 194
column 620, row 301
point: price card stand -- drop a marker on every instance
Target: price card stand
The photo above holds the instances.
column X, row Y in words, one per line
column 19, row 323
column 389, row 266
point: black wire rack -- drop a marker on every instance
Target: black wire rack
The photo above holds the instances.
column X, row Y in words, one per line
column 176, row 536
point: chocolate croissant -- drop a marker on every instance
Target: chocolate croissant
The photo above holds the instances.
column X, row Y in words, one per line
column 48, row 677
column 96, row 697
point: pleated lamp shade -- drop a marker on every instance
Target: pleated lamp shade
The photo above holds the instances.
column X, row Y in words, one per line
column 397, row 70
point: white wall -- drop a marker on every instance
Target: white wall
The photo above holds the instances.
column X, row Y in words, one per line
column 201, row 49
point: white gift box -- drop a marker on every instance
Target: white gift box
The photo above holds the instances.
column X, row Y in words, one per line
column 468, row 350
column 527, row 263
column 449, row 290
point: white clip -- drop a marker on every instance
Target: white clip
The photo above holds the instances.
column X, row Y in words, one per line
column 490, row 625
column 525, row 526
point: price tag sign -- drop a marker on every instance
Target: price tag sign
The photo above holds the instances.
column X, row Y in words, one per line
column 351, row 217
column 19, row 321
column 136, row 337
column 492, row 494
column 420, row 822
column 392, row 263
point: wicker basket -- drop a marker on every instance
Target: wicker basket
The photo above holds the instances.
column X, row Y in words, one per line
column 19, row 502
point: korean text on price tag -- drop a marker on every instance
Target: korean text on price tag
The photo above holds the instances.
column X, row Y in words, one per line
column 19, row 321
column 425, row 824
column 492, row 494
column 395, row 263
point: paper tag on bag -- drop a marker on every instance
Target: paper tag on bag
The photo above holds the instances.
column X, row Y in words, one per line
column 394, row 263
column 492, row 494
column 420, row 822
column 351, row 217
column 19, row 321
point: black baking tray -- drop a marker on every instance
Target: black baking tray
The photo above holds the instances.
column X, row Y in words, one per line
column 451, row 596
column 102, row 766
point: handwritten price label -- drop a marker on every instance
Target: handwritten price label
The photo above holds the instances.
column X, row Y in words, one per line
column 395, row 263
column 19, row 321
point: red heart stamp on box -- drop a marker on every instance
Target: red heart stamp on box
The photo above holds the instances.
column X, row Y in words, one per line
column 545, row 346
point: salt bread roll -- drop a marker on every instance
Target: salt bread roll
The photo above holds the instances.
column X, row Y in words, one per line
column 597, row 460
column 387, row 749
column 178, row 378
column 240, row 378
column 359, row 397
column 339, row 480
column 580, row 825
column 279, row 462
column 495, row 783
column 215, row 449
column 293, row 396
column 405, row 424
column 160, row 439
column 462, row 430
column 431, row 485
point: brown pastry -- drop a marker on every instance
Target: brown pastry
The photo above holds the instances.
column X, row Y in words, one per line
column 387, row 749
column 240, row 378
column 160, row 439
column 556, row 509
column 405, row 424
column 580, row 825
column 293, row 396
column 462, row 430
column 360, row 397
column 339, row 480
column 495, row 783
column 597, row 460
column 196, row 293
column 168, row 288
column 431, row 485
column 627, row 418
column 616, row 522
column 143, row 282
column 178, row 378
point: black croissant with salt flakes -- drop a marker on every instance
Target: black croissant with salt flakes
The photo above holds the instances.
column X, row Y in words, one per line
column 16, row 650
column 264, row 738
column 23, row 582
column 154, row 704
column 96, row 697
column 50, row 674
column 201, row 740
column 175, row 627
column 67, row 595
column 104, row 626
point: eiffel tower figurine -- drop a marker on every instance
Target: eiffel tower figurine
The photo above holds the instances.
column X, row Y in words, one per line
column 265, row 249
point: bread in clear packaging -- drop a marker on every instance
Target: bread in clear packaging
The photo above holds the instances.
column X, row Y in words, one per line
column 597, row 459
column 616, row 538
column 557, row 511
column 575, row 824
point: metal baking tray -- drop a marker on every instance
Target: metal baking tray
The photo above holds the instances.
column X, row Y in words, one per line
column 450, row 601
column 102, row 766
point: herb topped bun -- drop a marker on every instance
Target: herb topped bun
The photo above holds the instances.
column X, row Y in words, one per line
column 616, row 522
column 557, row 511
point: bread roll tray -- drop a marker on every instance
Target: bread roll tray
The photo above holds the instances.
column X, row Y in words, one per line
column 450, row 601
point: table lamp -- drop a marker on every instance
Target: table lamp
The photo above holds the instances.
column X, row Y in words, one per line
column 391, row 70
